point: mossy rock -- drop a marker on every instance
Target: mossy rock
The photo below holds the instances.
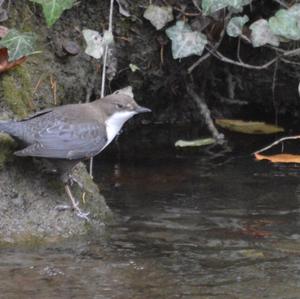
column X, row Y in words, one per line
column 7, row 146
column 17, row 91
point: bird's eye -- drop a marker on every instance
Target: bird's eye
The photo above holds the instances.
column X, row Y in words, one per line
column 119, row 106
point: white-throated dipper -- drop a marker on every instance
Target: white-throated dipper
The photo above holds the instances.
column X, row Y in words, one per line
column 74, row 132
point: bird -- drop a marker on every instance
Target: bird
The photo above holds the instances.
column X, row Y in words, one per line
column 68, row 134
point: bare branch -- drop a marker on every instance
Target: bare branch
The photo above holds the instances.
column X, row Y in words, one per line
column 223, row 58
column 205, row 112
column 289, row 61
column 215, row 47
column 277, row 142
column 197, row 5
column 282, row 3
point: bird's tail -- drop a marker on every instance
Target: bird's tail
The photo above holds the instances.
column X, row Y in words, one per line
column 10, row 127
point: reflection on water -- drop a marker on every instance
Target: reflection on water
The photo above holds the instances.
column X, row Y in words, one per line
column 186, row 227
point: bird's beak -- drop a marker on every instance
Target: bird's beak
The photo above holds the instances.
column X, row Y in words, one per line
column 141, row 109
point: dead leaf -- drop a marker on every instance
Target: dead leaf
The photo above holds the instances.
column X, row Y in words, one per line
column 3, row 31
column 197, row 142
column 5, row 65
column 248, row 127
column 279, row 158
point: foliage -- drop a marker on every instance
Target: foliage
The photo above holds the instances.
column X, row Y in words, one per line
column 94, row 43
column 185, row 42
column 211, row 6
column 53, row 9
column 285, row 23
column 159, row 16
column 235, row 25
column 18, row 44
column 261, row 34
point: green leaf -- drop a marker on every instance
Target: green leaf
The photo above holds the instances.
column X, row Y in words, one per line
column 235, row 25
column 185, row 42
column 18, row 44
column 53, row 9
column 211, row 6
column 261, row 34
column 196, row 142
column 285, row 23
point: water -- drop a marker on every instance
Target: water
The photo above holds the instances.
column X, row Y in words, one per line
column 187, row 226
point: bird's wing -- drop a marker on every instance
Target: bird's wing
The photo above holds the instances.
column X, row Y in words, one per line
column 36, row 114
column 65, row 140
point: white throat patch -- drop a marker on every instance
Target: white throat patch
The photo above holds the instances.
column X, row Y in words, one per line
column 115, row 123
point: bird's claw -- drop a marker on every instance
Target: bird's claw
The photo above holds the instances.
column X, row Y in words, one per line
column 83, row 215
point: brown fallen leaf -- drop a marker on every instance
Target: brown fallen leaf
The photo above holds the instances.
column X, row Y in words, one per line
column 279, row 158
column 5, row 65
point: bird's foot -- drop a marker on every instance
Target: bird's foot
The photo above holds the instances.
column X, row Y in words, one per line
column 75, row 205
column 83, row 215
column 73, row 179
column 78, row 211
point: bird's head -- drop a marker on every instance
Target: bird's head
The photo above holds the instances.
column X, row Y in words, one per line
column 122, row 106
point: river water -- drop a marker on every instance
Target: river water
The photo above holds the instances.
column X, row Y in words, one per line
column 189, row 225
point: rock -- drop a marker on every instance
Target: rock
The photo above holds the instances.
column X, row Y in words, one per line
column 28, row 200
column 71, row 47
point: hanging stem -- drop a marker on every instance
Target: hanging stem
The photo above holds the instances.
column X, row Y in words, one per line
column 104, row 68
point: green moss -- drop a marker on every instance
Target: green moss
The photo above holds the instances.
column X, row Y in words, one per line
column 7, row 145
column 21, row 17
column 17, row 91
column 53, row 183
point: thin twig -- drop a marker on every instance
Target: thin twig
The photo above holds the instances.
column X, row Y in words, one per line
column 223, row 58
column 277, row 142
column 289, row 61
column 53, row 84
column 282, row 3
column 104, row 67
column 204, row 110
column 37, row 85
column 214, row 48
column 273, row 91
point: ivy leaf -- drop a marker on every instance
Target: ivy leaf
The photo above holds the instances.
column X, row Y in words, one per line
column 285, row 23
column 235, row 25
column 158, row 16
column 261, row 34
column 53, row 9
column 211, row 6
column 94, row 41
column 18, row 44
column 185, row 42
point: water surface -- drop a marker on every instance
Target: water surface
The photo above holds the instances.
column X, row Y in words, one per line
column 187, row 226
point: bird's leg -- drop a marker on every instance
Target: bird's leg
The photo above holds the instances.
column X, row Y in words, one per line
column 75, row 204
column 73, row 179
